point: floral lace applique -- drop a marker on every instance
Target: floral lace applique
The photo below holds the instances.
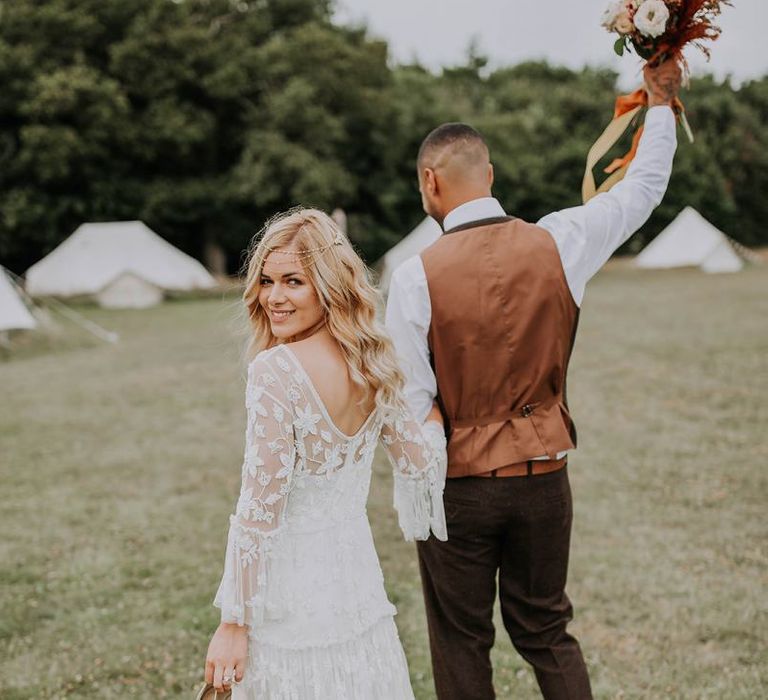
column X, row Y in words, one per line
column 298, row 468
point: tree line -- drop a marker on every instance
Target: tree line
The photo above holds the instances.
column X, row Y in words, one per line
column 205, row 117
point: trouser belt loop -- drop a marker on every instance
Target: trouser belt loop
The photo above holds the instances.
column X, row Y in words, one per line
column 530, row 467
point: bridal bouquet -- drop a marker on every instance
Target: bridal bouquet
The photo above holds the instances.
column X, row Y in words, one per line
column 658, row 31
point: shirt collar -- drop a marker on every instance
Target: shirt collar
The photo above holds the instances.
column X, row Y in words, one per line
column 475, row 210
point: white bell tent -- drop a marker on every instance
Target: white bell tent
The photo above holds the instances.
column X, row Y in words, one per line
column 123, row 264
column 424, row 235
column 691, row 241
column 14, row 314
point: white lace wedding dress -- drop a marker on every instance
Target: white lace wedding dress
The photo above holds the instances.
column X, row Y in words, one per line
column 301, row 570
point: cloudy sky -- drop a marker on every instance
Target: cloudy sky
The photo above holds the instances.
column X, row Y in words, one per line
column 438, row 32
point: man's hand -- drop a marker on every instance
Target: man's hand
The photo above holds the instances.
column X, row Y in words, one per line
column 663, row 82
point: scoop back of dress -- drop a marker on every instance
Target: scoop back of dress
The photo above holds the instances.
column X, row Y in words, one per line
column 301, row 569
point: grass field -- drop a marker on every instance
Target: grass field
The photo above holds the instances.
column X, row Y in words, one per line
column 120, row 466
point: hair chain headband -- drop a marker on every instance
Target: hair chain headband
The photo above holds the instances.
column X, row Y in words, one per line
column 338, row 239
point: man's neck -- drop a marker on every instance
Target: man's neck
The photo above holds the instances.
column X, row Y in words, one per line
column 473, row 210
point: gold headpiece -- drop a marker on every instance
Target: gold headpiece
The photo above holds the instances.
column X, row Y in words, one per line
column 338, row 239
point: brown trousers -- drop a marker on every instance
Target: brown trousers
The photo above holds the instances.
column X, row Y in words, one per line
column 518, row 528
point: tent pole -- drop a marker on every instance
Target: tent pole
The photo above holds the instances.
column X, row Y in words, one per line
column 64, row 310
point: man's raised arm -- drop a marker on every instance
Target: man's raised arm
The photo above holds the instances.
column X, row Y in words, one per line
column 588, row 235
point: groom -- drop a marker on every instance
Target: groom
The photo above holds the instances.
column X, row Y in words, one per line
column 484, row 322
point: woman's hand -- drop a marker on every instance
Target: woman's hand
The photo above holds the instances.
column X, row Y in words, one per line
column 435, row 414
column 434, row 434
column 227, row 654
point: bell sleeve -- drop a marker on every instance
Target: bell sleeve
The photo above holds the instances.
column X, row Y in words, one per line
column 417, row 454
column 256, row 526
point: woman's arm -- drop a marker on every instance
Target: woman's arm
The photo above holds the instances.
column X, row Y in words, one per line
column 418, row 458
column 256, row 526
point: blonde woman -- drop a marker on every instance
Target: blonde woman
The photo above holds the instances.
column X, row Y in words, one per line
column 304, row 613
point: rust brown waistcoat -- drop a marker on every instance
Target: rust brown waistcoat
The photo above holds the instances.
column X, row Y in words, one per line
column 502, row 330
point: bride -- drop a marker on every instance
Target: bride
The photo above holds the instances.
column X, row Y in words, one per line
column 304, row 613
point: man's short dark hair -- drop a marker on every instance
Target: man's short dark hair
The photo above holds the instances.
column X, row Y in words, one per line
column 449, row 134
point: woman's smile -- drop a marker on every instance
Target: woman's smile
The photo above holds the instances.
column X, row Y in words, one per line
column 280, row 315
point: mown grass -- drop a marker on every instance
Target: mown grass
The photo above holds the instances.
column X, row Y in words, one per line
column 120, row 465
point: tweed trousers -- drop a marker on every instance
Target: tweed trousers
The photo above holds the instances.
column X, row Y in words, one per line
column 515, row 530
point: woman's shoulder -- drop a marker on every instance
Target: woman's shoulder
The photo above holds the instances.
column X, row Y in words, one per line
column 269, row 358
column 271, row 367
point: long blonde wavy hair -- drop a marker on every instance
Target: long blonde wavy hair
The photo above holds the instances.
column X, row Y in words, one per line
column 343, row 285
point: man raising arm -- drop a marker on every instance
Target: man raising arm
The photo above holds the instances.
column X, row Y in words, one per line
column 484, row 321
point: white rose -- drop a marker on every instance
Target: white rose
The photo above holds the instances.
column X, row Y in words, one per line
column 611, row 14
column 651, row 18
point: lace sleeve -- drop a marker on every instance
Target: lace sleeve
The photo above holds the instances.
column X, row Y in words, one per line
column 418, row 458
column 255, row 527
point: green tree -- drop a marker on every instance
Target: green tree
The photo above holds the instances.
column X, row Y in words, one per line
column 205, row 117
column 201, row 117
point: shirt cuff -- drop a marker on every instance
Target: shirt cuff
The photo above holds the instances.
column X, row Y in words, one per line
column 659, row 114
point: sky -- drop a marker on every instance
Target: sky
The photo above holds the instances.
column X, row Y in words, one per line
column 566, row 32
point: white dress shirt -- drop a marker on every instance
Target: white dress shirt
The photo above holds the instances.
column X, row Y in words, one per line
column 586, row 237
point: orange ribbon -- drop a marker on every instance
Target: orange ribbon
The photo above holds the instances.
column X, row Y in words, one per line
column 625, row 110
column 625, row 104
column 624, row 161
